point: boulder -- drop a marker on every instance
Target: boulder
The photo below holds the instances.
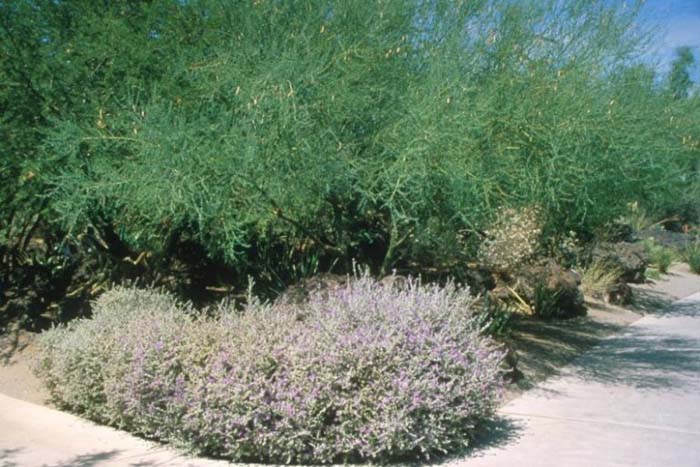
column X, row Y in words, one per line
column 551, row 290
column 630, row 258
column 618, row 294
column 619, row 232
column 667, row 238
column 510, row 364
column 479, row 279
column 395, row 282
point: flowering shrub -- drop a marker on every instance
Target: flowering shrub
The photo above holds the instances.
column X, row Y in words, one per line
column 80, row 362
column 513, row 238
column 362, row 372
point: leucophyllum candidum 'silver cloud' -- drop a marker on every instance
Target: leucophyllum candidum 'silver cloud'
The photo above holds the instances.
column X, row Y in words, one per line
column 364, row 371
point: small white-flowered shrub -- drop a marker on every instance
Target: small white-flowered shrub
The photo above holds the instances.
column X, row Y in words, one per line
column 513, row 239
column 362, row 372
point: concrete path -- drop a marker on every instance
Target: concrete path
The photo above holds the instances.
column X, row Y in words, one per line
column 634, row 400
column 35, row 436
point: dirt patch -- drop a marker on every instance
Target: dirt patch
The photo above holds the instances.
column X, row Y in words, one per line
column 18, row 352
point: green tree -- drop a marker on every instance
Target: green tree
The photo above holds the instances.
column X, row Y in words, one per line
column 679, row 76
column 269, row 135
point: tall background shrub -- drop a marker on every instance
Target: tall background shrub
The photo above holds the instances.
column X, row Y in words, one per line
column 200, row 141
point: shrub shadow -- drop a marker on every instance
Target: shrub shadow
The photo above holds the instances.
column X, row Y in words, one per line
column 86, row 460
column 6, row 455
column 650, row 301
column 12, row 342
column 645, row 360
column 498, row 432
column 546, row 347
column 682, row 308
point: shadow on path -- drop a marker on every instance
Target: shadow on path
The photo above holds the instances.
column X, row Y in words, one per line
column 6, row 457
column 689, row 309
column 86, row 460
column 499, row 432
column 546, row 347
column 656, row 303
column 660, row 354
column 646, row 360
column 650, row 301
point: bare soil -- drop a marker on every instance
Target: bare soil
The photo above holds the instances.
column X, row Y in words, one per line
column 18, row 353
column 542, row 346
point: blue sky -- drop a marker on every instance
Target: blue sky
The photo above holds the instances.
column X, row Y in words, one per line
column 678, row 23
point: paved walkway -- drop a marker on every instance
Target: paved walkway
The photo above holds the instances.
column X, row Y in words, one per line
column 634, row 400
column 35, row 436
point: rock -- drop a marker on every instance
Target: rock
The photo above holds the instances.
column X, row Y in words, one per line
column 619, row 294
column 500, row 293
column 480, row 280
column 667, row 238
column 510, row 364
column 629, row 258
column 619, row 232
column 551, row 290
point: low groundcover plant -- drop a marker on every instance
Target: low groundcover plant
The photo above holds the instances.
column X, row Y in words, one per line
column 362, row 372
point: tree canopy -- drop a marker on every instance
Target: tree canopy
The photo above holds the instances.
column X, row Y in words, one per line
column 679, row 76
column 282, row 135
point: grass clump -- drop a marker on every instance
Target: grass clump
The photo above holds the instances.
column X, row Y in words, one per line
column 496, row 316
column 652, row 274
column 362, row 372
column 660, row 256
column 546, row 302
column 691, row 255
column 599, row 278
